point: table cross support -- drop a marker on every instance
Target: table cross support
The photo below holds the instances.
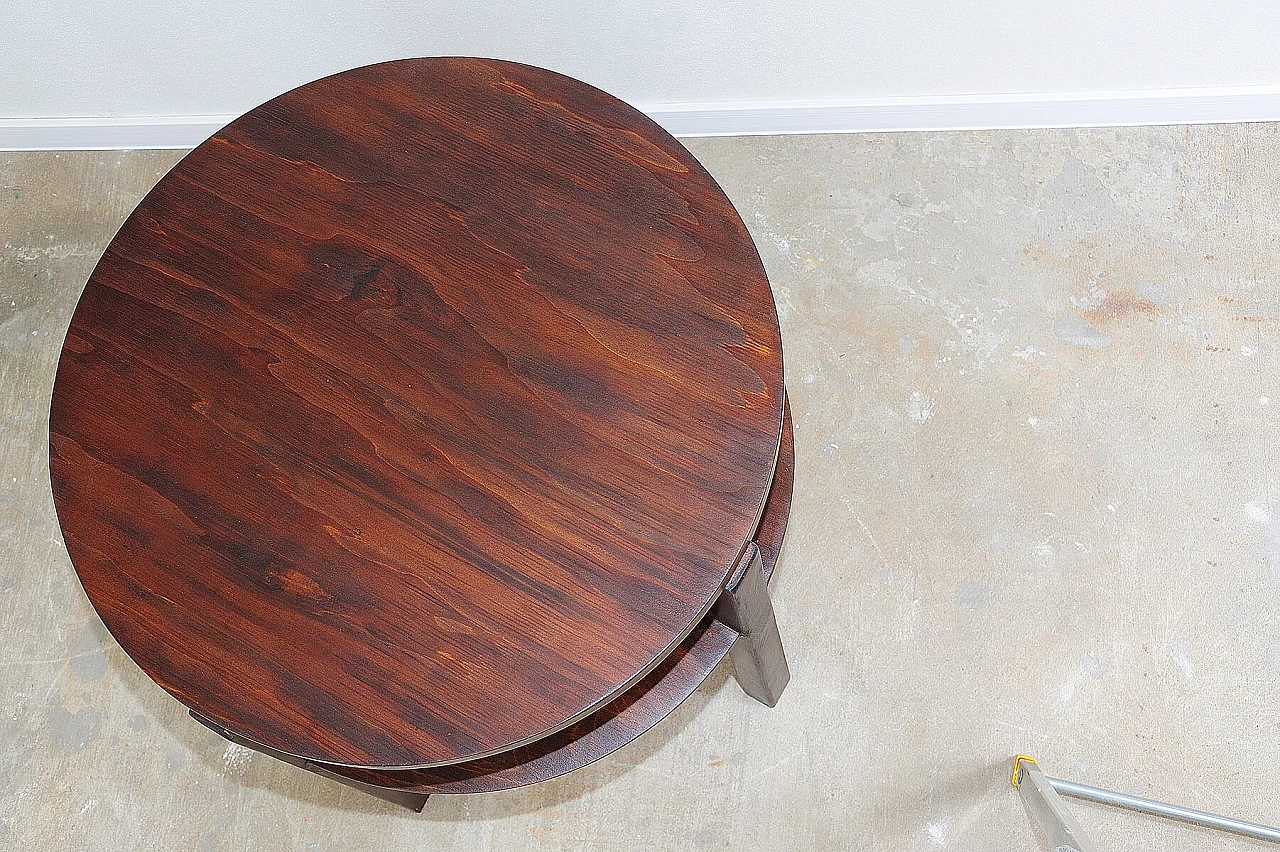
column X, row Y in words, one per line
column 744, row 605
column 413, row 801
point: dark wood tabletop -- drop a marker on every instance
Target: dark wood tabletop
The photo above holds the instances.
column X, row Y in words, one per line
column 418, row 413
column 624, row 718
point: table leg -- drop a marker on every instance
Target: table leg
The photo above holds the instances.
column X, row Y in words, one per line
column 413, row 801
column 744, row 605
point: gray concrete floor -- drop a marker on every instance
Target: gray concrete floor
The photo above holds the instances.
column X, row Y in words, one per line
column 1033, row 376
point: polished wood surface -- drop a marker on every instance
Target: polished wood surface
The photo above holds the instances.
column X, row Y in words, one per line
column 418, row 413
column 626, row 717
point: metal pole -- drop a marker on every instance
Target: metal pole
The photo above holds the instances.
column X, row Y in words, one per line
column 1134, row 803
column 1057, row 823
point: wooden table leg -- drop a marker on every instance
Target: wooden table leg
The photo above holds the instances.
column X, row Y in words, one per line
column 758, row 658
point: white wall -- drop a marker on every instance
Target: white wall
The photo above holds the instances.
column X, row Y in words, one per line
column 155, row 58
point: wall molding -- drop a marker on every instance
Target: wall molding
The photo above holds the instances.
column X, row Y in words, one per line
column 974, row 112
column 104, row 134
column 862, row 115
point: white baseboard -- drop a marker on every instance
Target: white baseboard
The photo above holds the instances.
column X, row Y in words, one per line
column 863, row 115
column 100, row 134
column 974, row 112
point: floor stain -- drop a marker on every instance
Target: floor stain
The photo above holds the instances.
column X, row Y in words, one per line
column 1120, row 306
column 1078, row 331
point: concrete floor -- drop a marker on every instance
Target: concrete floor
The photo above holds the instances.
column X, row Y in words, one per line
column 1033, row 376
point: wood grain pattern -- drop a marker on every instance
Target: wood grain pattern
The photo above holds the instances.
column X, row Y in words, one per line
column 418, row 413
column 625, row 718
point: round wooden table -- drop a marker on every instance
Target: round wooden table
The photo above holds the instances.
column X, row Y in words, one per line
column 412, row 426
